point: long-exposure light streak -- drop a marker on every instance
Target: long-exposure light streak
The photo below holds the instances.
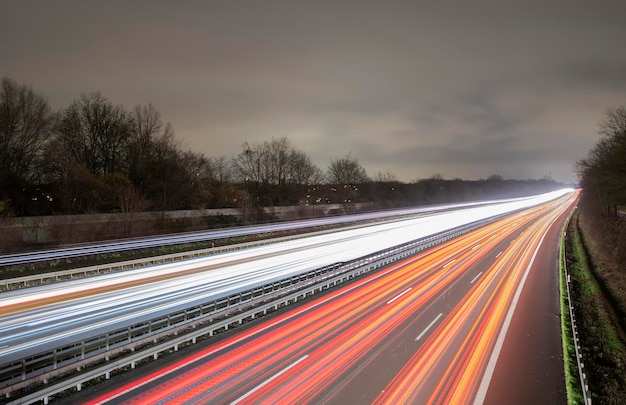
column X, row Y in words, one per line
column 313, row 352
column 41, row 319
column 467, row 340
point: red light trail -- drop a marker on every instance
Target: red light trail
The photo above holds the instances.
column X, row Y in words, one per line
column 452, row 300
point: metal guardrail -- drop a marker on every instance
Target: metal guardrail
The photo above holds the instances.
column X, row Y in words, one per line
column 584, row 385
column 71, row 365
column 175, row 343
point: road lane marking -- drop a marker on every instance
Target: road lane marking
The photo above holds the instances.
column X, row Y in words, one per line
column 476, row 278
column 275, row 376
column 498, row 255
column 449, row 263
column 430, row 325
column 399, row 295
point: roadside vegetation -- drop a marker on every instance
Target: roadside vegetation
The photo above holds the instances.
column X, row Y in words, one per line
column 596, row 253
column 602, row 340
column 572, row 378
column 98, row 157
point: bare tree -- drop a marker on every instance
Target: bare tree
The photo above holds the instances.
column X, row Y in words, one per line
column 614, row 124
column 302, row 170
column 221, row 169
column 274, row 171
column 603, row 173
column 160, row 168
column 271, row 162
column 146, row 123
column 95, row 132
column 26, row 123
column 278, row 160
column 171, row 183
column 247, row 165
column 26, row 126
column 346, row 170
column 386, row 177
column 150, row 142
column 495, row 177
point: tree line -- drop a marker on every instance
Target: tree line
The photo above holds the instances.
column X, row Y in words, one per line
column 602, row 176
column 600, row 288
column 95, row 156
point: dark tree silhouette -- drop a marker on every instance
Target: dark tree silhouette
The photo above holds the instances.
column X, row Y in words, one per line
column 94, row 133
column 603, row 173
column 346, row 170
column 26, row 124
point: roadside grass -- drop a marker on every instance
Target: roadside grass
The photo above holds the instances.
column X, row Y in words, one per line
column 602, row 349
column 572, row 380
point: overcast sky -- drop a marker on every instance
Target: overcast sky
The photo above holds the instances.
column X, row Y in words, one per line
column 460, row 88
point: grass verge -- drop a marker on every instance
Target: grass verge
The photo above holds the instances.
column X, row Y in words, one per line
column 572, row 379
column 602, row 349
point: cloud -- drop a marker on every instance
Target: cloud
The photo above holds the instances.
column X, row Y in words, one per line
column 413, row 88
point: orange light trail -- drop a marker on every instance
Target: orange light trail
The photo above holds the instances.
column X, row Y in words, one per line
column 466, row 338
column 314, row 351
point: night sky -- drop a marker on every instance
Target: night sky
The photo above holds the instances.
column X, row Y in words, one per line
column 413, row 88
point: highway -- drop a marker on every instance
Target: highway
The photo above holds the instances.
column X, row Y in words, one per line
column 38, row 319
column 425, row 330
